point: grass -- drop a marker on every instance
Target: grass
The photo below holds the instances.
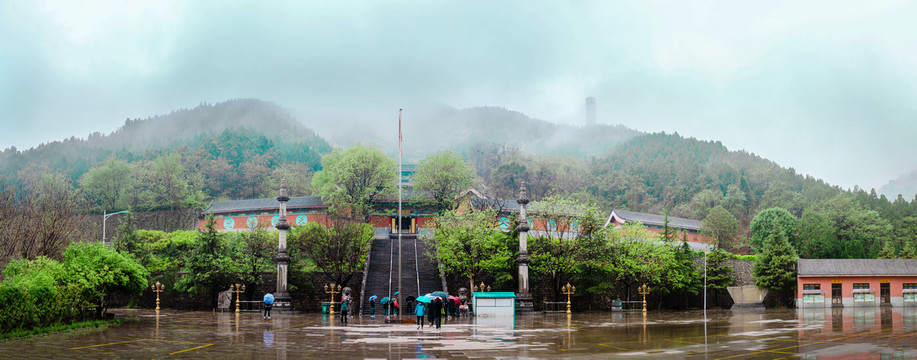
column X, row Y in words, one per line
column 60, row 328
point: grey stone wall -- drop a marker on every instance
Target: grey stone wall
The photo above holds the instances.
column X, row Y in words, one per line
column 742, row 272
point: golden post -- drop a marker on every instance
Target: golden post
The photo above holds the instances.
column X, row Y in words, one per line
column 483, row 288
column 157, row 288
column 643, row 290
column 332, row 290
column 238, row 289
column 568, row 290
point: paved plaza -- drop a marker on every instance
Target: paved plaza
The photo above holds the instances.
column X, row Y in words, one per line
column 727, row 334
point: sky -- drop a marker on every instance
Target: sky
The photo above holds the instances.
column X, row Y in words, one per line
column 825, row 88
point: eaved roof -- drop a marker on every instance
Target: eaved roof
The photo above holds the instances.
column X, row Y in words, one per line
column 853, row 267
column 263, row 204
column 653, row 219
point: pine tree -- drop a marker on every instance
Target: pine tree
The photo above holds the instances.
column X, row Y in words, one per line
column 775, row 267
column 908, row 251
column 888, row 251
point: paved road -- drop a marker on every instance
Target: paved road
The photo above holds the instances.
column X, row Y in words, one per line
column 737, row 334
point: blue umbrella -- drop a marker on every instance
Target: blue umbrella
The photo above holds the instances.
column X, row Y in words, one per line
column 440, row 294
column 396, row 293
column 374, row 297
column 268, row 298
column 424, row 299
column 384, row 300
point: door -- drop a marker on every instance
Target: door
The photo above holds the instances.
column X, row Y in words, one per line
column 885, row 291
column 836, row 294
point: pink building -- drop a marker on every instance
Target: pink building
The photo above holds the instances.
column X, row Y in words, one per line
column 856, row 282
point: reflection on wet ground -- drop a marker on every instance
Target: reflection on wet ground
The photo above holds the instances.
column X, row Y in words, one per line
column 725, row 334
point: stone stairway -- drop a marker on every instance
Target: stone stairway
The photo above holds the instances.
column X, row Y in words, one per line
column 383, row 263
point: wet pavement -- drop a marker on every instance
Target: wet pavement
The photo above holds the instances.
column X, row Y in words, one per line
column 819, row 333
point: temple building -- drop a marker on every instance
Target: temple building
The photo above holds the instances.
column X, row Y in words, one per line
column 856, row 282
column 656, row 223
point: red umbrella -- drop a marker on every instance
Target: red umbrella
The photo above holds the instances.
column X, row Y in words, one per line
column 455, row 299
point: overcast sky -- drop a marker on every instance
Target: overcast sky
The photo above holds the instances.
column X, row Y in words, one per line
column 825, row 87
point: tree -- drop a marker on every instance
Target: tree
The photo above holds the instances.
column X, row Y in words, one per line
column 338, row 251
column 775, row 266
column 207, row 267
column 816, row 237
column 634, row 258
column 352, row 180
column 40, row 217
column 720, row 225
column 719, row 274
column 100, row 271
column 126, row 239
column 251, row 253
column 763, row 225
column 470, row 245
column 682, row 276
column 908, row 251
column 444, row 176
column 888, row 251
column 107, row 184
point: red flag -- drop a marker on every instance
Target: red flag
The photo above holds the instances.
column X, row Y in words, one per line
column 399, row 132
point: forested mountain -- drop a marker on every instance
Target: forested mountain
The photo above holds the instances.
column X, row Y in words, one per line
column 242, row 148
column 226, row 150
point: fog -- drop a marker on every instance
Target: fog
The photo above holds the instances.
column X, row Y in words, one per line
column 827, row 90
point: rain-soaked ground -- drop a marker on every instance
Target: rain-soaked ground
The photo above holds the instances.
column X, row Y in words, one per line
column 725, row 334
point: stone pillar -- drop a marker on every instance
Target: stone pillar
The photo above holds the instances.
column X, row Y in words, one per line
column 524, row 301
column 281, row 296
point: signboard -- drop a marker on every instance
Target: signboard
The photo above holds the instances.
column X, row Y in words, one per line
column 813, row 299
column 864, row 297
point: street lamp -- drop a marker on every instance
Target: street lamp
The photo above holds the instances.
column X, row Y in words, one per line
column 105, row 216
column 157, row 288
column 643, row 290
column 568, row 290
column 238, row 289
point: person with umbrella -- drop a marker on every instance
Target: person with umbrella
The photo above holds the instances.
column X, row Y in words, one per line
column 436, row 310
column 372, row 306
column 268, row 303
column 345, row 307
column 419, row 311
column 386, row 304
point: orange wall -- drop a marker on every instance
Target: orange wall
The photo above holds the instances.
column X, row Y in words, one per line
column 897, row 284
column 264, row 221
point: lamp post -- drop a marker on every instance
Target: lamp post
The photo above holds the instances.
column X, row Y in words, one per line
column 330, row 289
column 157, row 288
column 105, row 216
column 643, row 290
column 569, row 290
column 238, row 289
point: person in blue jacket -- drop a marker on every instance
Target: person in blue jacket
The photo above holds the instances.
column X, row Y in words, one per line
column 419, row 312
column 268, row 303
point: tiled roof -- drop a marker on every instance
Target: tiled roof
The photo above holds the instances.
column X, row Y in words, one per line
column 865, row 267
column 263, row 204
column 653, row 219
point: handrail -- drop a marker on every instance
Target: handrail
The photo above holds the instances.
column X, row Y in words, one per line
column 369, row 255
column 416, row 266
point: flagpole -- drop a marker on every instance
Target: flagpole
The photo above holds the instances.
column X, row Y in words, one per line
column 399, row 216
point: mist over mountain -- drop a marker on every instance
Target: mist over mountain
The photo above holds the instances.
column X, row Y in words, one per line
column 181, row 129
column 905, row 185
column 430, row 130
